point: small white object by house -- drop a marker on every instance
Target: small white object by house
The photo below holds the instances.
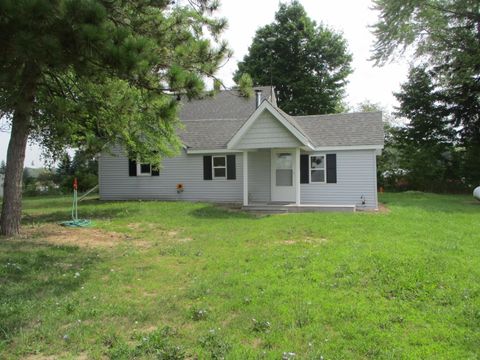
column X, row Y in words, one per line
column 476, row 193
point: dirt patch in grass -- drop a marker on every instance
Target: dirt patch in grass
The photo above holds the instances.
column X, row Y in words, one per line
column 83, row 237
column 160, row 232
column 382, row 208
column 55, row 357
column 307, row 240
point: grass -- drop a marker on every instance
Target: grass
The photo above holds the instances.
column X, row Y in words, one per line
column 192, row 280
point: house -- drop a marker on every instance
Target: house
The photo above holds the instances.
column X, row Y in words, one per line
column 248, row 151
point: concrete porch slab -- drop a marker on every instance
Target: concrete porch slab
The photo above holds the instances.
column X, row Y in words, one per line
column 293, row 208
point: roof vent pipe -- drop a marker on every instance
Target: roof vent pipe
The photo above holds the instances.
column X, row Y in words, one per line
column 258, row 97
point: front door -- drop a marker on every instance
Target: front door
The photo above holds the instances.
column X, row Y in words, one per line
column 283, row 175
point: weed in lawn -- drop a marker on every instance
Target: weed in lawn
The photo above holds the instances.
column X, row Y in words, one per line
column 157, row 344
column 216, row 347
column 261, row 325
column 303, row 315
column 197, row 314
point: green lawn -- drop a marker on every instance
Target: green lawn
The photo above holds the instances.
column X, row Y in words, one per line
column 181, row 280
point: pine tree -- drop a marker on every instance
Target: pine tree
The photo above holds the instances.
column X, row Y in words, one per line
column 78, row 73
column 426, row 142
column 65, row 166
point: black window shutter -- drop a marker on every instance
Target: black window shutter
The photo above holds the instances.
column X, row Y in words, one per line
column 231, row 168
column 132, row 167
column 155, row 171
column 331, row 168
column 304, row 169
column 207, row 168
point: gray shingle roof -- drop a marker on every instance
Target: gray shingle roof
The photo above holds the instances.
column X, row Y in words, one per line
column 350, row 129
column 227, row 104
column 209, row 134
column 210, row 123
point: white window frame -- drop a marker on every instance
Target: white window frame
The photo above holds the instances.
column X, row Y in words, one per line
column 219, row 167
column 139, row 168
column 310, row 169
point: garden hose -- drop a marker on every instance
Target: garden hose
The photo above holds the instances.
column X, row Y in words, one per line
column 75, row 222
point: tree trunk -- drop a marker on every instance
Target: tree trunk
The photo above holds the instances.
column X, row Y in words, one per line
column 12, row 194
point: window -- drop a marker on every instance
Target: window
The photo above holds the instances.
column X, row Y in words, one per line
column 144, row 170
column 284, row 169
column 317, row 169
column 219, row 167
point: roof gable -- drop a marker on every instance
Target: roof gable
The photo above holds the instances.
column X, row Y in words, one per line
column 271, row 129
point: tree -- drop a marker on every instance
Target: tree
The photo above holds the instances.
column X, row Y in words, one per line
column 388, row 167
column 2, row 167
column 83, row 167
column 307, row 63
column 65, row 166
column 426, row 142
column 90, row 73
column 445, row 38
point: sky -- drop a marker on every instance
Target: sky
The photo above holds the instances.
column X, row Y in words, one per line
column 350, row 17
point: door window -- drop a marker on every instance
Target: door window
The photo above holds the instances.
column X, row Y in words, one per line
column 284, row 169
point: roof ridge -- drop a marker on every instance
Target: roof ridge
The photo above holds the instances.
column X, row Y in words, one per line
column 336, row 114
column 200, row 120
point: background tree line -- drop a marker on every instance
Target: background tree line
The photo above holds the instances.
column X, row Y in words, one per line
column 59, row 179
column 438, row 149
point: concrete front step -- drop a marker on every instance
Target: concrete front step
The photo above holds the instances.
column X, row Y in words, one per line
column 292, row 208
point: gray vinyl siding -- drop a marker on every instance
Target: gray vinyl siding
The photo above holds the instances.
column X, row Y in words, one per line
column 267, row 132
column 356, row 176
column 115, row 184
column 259, row 175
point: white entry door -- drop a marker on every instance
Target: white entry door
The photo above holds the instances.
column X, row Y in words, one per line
column 283, row 175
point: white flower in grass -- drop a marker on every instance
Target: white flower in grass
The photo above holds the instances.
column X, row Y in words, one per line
column 65, row 337
column 77, row 274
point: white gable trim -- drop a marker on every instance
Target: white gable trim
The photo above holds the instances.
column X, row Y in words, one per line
column 213, row 151
column 377, row 148
column 349, row 147
column 266, row 105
